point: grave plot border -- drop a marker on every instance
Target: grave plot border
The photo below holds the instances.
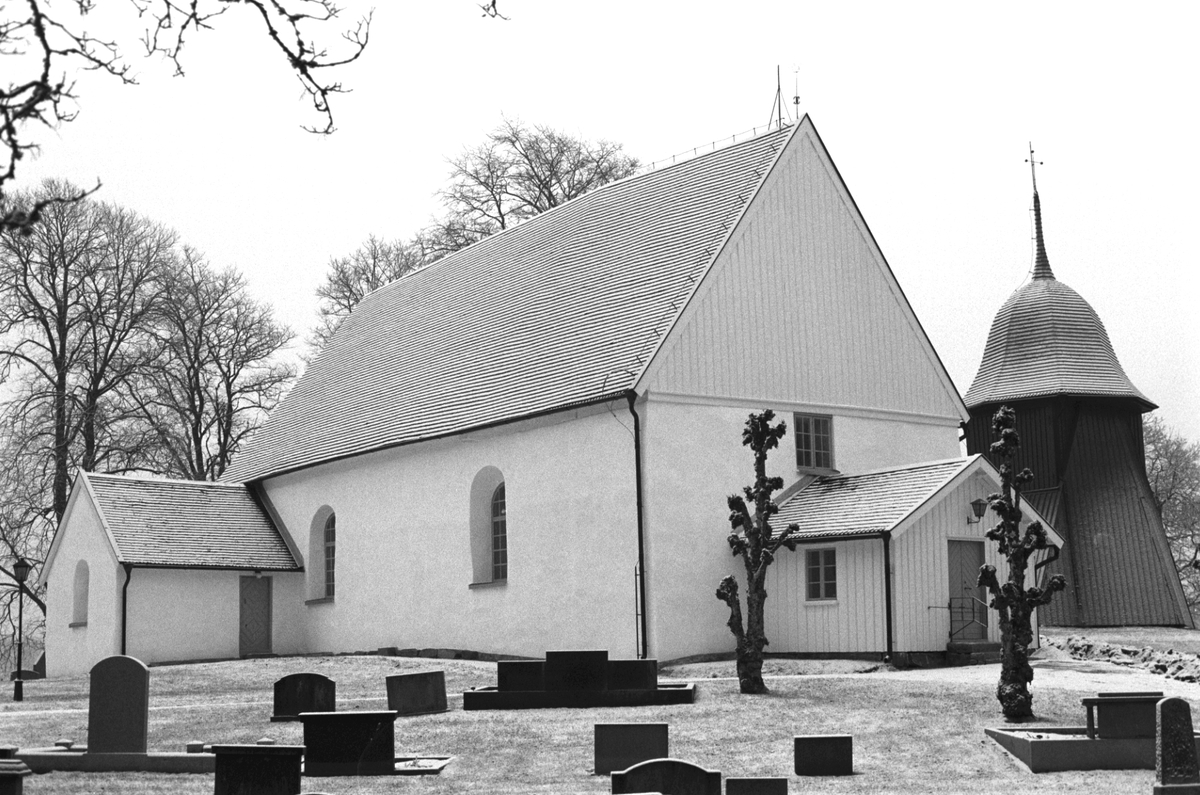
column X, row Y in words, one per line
column 1075, row 751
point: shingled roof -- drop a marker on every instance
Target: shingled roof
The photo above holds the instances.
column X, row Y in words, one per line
column 836, row 506
column 192, row 524
column 849, row 506
column 563, row 310
column 1046, row 340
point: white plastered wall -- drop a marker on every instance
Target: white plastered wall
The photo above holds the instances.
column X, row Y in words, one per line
column 694, row 459
column 403, row 555
column 193, row 614
column 73, row 650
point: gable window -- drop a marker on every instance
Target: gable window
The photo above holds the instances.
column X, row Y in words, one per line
column 330, row 549
column 499, row 535
column 822, row 574
column 814, row 441
column 79, row 607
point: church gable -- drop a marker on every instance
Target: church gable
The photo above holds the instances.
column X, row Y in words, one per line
column 801, row 307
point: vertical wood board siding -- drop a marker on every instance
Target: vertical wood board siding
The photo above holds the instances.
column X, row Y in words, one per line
column 921, row 570
column 854, row 623
column 799, row 307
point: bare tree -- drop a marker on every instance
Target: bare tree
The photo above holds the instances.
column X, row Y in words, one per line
column 518, row 172
column 41, row 42
column 755, row 541
column 217, row 375
column 1173, row 468
column 1013, row 601
column 372, row 265
column 76, row 292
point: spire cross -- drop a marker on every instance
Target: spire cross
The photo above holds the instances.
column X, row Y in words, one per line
column 1033, row 166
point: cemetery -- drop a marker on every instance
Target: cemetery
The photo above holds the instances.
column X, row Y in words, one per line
column 821, row 720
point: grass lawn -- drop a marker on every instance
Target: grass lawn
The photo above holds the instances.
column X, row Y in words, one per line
column 912, row 734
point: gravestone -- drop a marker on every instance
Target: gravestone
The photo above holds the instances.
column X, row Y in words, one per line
column 669, row 777
column 577, row 670
column 307, row 692
column 354, row 743
column 12, row 771
column 118, row 706
column 824, row 754
column 1175, row 766
column 756, row 786
column 257, row 769
column 623, row 745
column 417, row 693
column 633, row 674
column 520, row 675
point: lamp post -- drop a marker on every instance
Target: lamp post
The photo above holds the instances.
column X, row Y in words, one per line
column 21, row 573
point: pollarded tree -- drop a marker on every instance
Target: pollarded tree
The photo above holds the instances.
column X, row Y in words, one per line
column 755, row 541
column 1012, row 600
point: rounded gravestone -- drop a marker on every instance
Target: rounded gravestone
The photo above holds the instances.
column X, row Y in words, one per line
column 118, row 706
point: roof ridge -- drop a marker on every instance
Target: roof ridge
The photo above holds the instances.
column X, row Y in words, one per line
column 155, row 479
column 917, row 465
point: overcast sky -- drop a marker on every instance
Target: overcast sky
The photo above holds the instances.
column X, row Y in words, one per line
column 926, row 108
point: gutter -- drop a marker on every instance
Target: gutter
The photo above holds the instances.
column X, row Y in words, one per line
column 887, row 590
column 631, row 396
column 125, row 604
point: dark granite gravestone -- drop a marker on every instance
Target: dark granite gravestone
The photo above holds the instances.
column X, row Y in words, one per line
column 756, row 786
column 668, row 776
column 355, row 743
column 296, row 693
column 1176, row 769
column 577, row 679
column 633, row 674
column 12, row 771
column 623, row 745
column 118, row 706
column 577, row 670
column 417, row 693
column 824, row 755
column 1121, row 715
column 520, row 675
column 257, row 769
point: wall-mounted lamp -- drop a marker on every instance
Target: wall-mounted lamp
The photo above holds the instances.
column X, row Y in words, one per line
column 978, row 509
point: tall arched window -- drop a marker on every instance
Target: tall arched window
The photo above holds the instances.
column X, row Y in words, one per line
column 79, row 610
column 330, row 550
column 499, row 535
column 489, row 528
column 322, row 546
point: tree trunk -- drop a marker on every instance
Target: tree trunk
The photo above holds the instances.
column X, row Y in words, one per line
column 750, row 651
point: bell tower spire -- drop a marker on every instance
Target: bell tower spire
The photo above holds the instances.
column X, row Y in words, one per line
column 1041, row 265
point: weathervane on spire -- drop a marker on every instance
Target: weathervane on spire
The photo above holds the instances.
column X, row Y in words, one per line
column 1033, row 166
column 1041, row 265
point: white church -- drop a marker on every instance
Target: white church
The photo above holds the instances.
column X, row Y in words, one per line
column 528, row 446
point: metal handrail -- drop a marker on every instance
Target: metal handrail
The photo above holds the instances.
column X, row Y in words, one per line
column 973, row 620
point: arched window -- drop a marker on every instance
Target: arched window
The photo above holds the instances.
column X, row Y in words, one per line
column 322, row 548
column 489, row 527
column 79, row 611
column 499, row 535
column 330, row 549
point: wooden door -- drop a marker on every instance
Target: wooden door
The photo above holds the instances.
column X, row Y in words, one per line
column 254, row 636
column 968, row 602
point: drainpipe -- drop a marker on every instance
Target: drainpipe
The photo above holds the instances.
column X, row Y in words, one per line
column 125, row 603
column 887, row 590
column 631, row 396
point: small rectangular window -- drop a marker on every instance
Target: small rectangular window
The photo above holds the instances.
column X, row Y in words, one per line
column 822, row 574
column 814, row 441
